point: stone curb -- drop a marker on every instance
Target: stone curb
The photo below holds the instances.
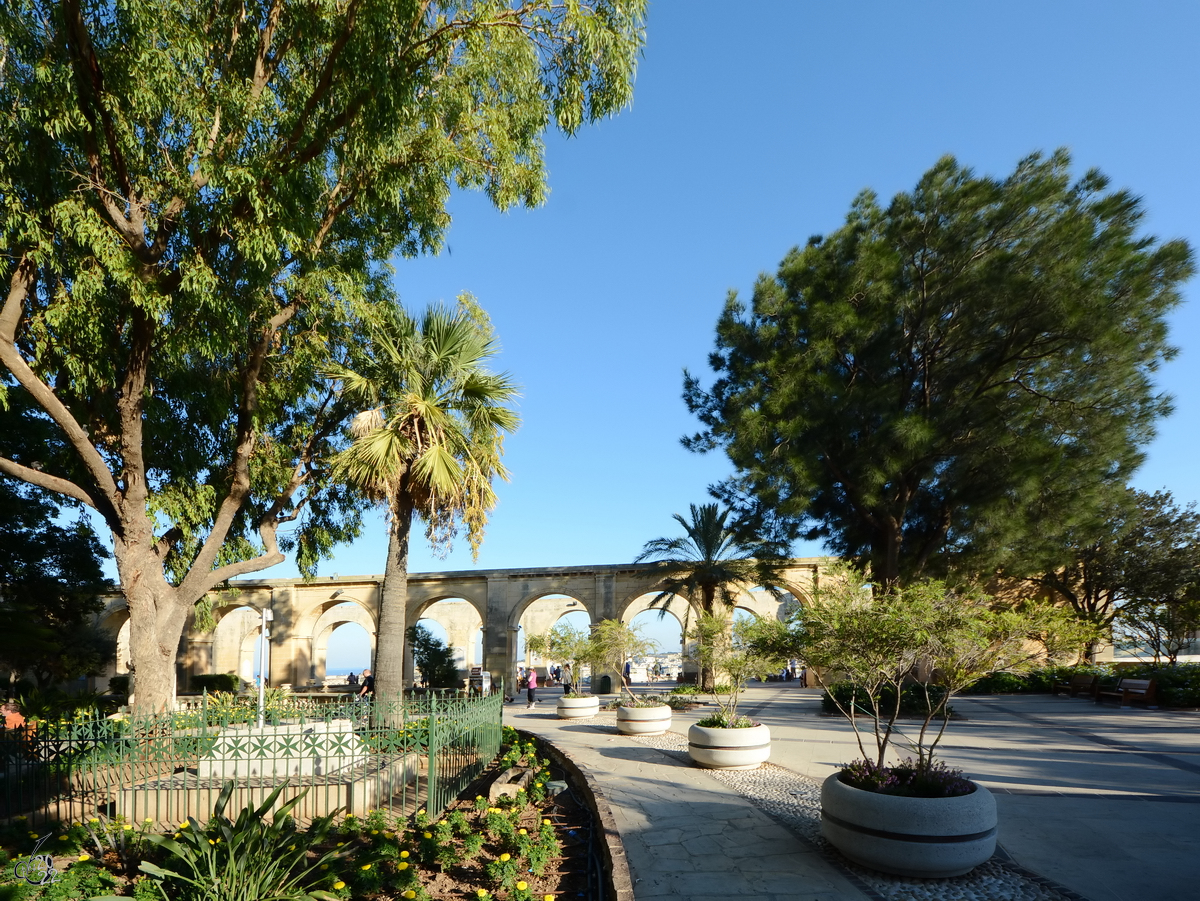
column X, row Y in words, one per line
column 618, row 880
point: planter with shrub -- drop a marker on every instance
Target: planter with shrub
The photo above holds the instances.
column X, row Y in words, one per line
column 727, row 740
column 916, row 646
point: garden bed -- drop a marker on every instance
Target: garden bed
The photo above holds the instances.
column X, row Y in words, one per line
column 539, row 843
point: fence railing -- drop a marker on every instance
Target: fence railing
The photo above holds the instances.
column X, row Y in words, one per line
column 358, row 755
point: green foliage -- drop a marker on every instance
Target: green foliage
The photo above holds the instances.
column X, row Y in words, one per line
column 1176, row 686
column 711, row 562
column 920, row 645
column 119, row 684
column 1138, row 571
column 915, row 700
column 735, row 651
column 52, row 577
column 204, row 214
column 214, row 682
column 613, row 643
column 79, row 881
column 246, row 859
column 565, row 642
column 431, row 656
column 951, row 382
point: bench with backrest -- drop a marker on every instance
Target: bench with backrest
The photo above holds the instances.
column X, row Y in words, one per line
column 1081, row 683
column 1129, row 691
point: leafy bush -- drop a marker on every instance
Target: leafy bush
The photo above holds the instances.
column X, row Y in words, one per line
column 1177, row 686
column 907, row 779
column 247, row 859
column 913, row 700
column 119, row 685
column 213, row 682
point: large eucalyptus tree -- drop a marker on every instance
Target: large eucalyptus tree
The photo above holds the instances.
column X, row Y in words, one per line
column 195, row 197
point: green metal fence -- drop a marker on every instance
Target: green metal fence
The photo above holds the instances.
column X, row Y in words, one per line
column 351, row 754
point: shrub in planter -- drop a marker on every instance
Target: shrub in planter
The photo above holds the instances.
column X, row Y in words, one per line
column 928, row 641
column 726, row 739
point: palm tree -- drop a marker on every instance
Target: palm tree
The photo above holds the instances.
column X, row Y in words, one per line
column 428, row 441
column 710, row 564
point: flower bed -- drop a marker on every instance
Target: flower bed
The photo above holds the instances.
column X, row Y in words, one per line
column 513, row 849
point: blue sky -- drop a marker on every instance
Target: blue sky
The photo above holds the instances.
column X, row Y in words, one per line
column 747, row 134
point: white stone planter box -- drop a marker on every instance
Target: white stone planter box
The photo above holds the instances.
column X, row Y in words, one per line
column 927, row 837
column 729, row 749
column 643, row 720
column 578, row 708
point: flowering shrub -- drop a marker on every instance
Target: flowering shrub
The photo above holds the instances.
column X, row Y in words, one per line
column 908, row 779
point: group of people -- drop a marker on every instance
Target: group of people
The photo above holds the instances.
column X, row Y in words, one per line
column 557, row 674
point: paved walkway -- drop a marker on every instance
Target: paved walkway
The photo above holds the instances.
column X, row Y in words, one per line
column 1102, row 801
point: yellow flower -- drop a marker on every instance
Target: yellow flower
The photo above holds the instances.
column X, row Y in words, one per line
column 64, row 838
column 389, row 835
column 479, row 798
column 176, row 835
column 339, row 844
column 339, row 885
column 211, row 842
column 545, row 822
column 482, row 893
column 523, row 831
column 428, row 835
column 410, row 894
column 403, row 855
column 521, row 886
column 291, row 847
column 94, row 820
column 33, row 835
column 548, row 898
column 504, row 857
column 184, row 824
column 374, row 831
column 148, row 820
column 324, row 866
column 85, row 856
column 127, row 827
column 365, row 866
column 403, row 865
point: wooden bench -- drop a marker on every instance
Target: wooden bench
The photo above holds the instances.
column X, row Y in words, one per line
column 1081, row 683
column 1129, row 691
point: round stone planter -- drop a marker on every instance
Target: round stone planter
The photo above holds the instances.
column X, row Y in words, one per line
column 578, row 708
column 643, row 720
column 729, row 749
column 927, row 837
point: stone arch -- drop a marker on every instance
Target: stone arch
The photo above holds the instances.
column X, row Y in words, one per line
column 462, row 621
column 332, row 616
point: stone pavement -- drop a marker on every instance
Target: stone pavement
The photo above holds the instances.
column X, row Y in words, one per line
column 1105, row 802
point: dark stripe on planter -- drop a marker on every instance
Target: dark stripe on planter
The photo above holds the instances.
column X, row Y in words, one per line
column 909, row 837
column 692, row 744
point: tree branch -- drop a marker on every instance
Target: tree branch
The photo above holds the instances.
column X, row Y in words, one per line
column 22, row 283
column 45, row 480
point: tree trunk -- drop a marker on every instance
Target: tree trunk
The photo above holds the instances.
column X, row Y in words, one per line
column 393, row 602
column 157, row 616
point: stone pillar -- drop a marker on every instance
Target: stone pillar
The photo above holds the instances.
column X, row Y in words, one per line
column 499, row 643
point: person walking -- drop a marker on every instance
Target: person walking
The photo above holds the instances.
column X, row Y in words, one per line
column 532, row 691
column 566, row 679
column 367, row 691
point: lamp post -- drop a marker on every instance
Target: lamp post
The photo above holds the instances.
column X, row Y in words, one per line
column 264, row 647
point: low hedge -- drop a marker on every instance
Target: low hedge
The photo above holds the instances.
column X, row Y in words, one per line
column 212, row 682
column 912, row 699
